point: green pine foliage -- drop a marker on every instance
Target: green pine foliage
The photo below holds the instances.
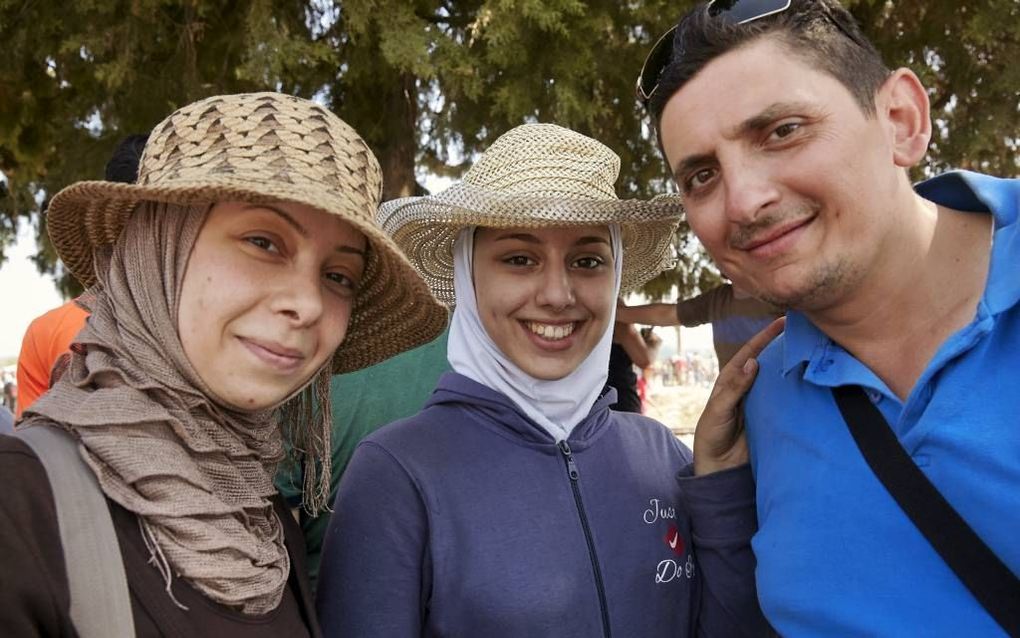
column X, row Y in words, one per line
column 430, row 83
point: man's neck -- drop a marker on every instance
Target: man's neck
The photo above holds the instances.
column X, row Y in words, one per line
column 925, row 288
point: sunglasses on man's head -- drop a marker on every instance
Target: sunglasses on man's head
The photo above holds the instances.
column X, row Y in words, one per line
column 733, row 11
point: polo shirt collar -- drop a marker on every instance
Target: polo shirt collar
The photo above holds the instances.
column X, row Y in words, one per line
column 801, row 340
column 974, row 192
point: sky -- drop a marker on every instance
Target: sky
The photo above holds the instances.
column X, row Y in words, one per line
column 24, row 293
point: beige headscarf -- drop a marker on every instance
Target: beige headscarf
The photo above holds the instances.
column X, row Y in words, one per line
column 198, row 473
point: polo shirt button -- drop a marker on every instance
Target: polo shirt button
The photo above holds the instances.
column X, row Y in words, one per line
column 873, row 395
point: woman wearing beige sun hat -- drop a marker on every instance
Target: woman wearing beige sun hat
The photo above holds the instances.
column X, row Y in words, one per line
column 517, row 503
column 228, row 284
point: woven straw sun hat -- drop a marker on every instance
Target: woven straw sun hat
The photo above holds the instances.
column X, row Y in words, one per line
column 534, row 176
column 263, row 148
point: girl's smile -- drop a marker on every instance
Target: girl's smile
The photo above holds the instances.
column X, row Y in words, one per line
column 545, row 295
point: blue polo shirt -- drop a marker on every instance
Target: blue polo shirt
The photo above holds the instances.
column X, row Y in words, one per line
column 836, row 555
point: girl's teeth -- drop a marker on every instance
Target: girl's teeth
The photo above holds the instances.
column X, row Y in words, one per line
column 553, row 333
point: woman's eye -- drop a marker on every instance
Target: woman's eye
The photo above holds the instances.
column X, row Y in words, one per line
column 341, row 279
column 589, row 263
column 519, row 260
column 262, row 242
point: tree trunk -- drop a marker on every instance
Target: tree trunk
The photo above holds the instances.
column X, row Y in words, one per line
column 397, row 153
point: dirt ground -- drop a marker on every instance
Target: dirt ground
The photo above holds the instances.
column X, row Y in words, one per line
column 679, row 407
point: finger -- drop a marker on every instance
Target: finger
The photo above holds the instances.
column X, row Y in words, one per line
column 738, row 374
column 730, row 389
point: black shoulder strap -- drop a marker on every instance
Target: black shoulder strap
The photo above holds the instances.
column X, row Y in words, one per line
column 978, row 568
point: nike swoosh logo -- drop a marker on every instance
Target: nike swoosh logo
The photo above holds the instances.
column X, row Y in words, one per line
column 672, row 543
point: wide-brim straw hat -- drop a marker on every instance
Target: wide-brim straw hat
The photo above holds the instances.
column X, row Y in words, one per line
column 263, row 148
column 534, row 176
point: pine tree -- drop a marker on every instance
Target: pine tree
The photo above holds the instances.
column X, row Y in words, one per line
column 430, row 83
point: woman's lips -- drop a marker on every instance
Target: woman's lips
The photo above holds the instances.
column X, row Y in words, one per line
column 274, row 355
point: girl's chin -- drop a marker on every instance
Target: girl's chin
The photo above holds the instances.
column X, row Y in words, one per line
column 549, row 368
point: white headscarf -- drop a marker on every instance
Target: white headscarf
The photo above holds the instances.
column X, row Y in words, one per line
column 556, row 405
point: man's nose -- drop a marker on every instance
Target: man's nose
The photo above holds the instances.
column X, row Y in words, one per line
column 749, row 189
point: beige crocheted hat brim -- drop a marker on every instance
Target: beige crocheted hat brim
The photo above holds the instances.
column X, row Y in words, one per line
column 262, row 148
column 534, row 176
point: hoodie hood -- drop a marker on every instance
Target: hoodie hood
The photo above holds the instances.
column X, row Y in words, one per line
column 498, row 411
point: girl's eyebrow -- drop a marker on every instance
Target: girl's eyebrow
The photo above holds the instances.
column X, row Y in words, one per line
column 351, row 250
column 531, row 239
column 283, row 214
column 287, row 217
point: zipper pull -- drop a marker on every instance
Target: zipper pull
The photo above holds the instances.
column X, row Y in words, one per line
column 571, row 466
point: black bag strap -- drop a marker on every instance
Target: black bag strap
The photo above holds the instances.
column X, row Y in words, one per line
column 978, row 568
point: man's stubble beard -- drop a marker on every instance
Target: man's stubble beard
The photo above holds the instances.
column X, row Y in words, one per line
column 825, row 286
column 827, row 282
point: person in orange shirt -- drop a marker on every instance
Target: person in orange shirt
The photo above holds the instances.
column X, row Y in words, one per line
column 49, row 335
column 47, row 338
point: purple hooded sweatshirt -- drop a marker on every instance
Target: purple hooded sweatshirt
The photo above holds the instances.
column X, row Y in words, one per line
column 467, row 519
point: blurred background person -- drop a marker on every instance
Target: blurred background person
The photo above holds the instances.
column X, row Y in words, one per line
column 10, row 396
column 646, row 373
column 628, row 350
column 735, row 316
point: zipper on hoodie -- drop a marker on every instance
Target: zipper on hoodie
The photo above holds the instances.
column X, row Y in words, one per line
column 599, row 586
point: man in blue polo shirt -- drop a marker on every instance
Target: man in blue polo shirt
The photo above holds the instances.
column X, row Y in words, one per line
column 790, row 141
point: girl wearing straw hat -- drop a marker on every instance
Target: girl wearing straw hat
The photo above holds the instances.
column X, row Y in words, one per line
column 241, row 270
column 517, row 503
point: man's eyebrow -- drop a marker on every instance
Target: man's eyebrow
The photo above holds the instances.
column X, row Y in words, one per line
column 766, row 117
column 691, row 162
column 754, row 124
column 283, row 214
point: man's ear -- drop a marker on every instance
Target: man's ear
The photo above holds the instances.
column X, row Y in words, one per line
column 903, row 104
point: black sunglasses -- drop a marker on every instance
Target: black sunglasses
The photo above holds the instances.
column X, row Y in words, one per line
column 733, row 11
